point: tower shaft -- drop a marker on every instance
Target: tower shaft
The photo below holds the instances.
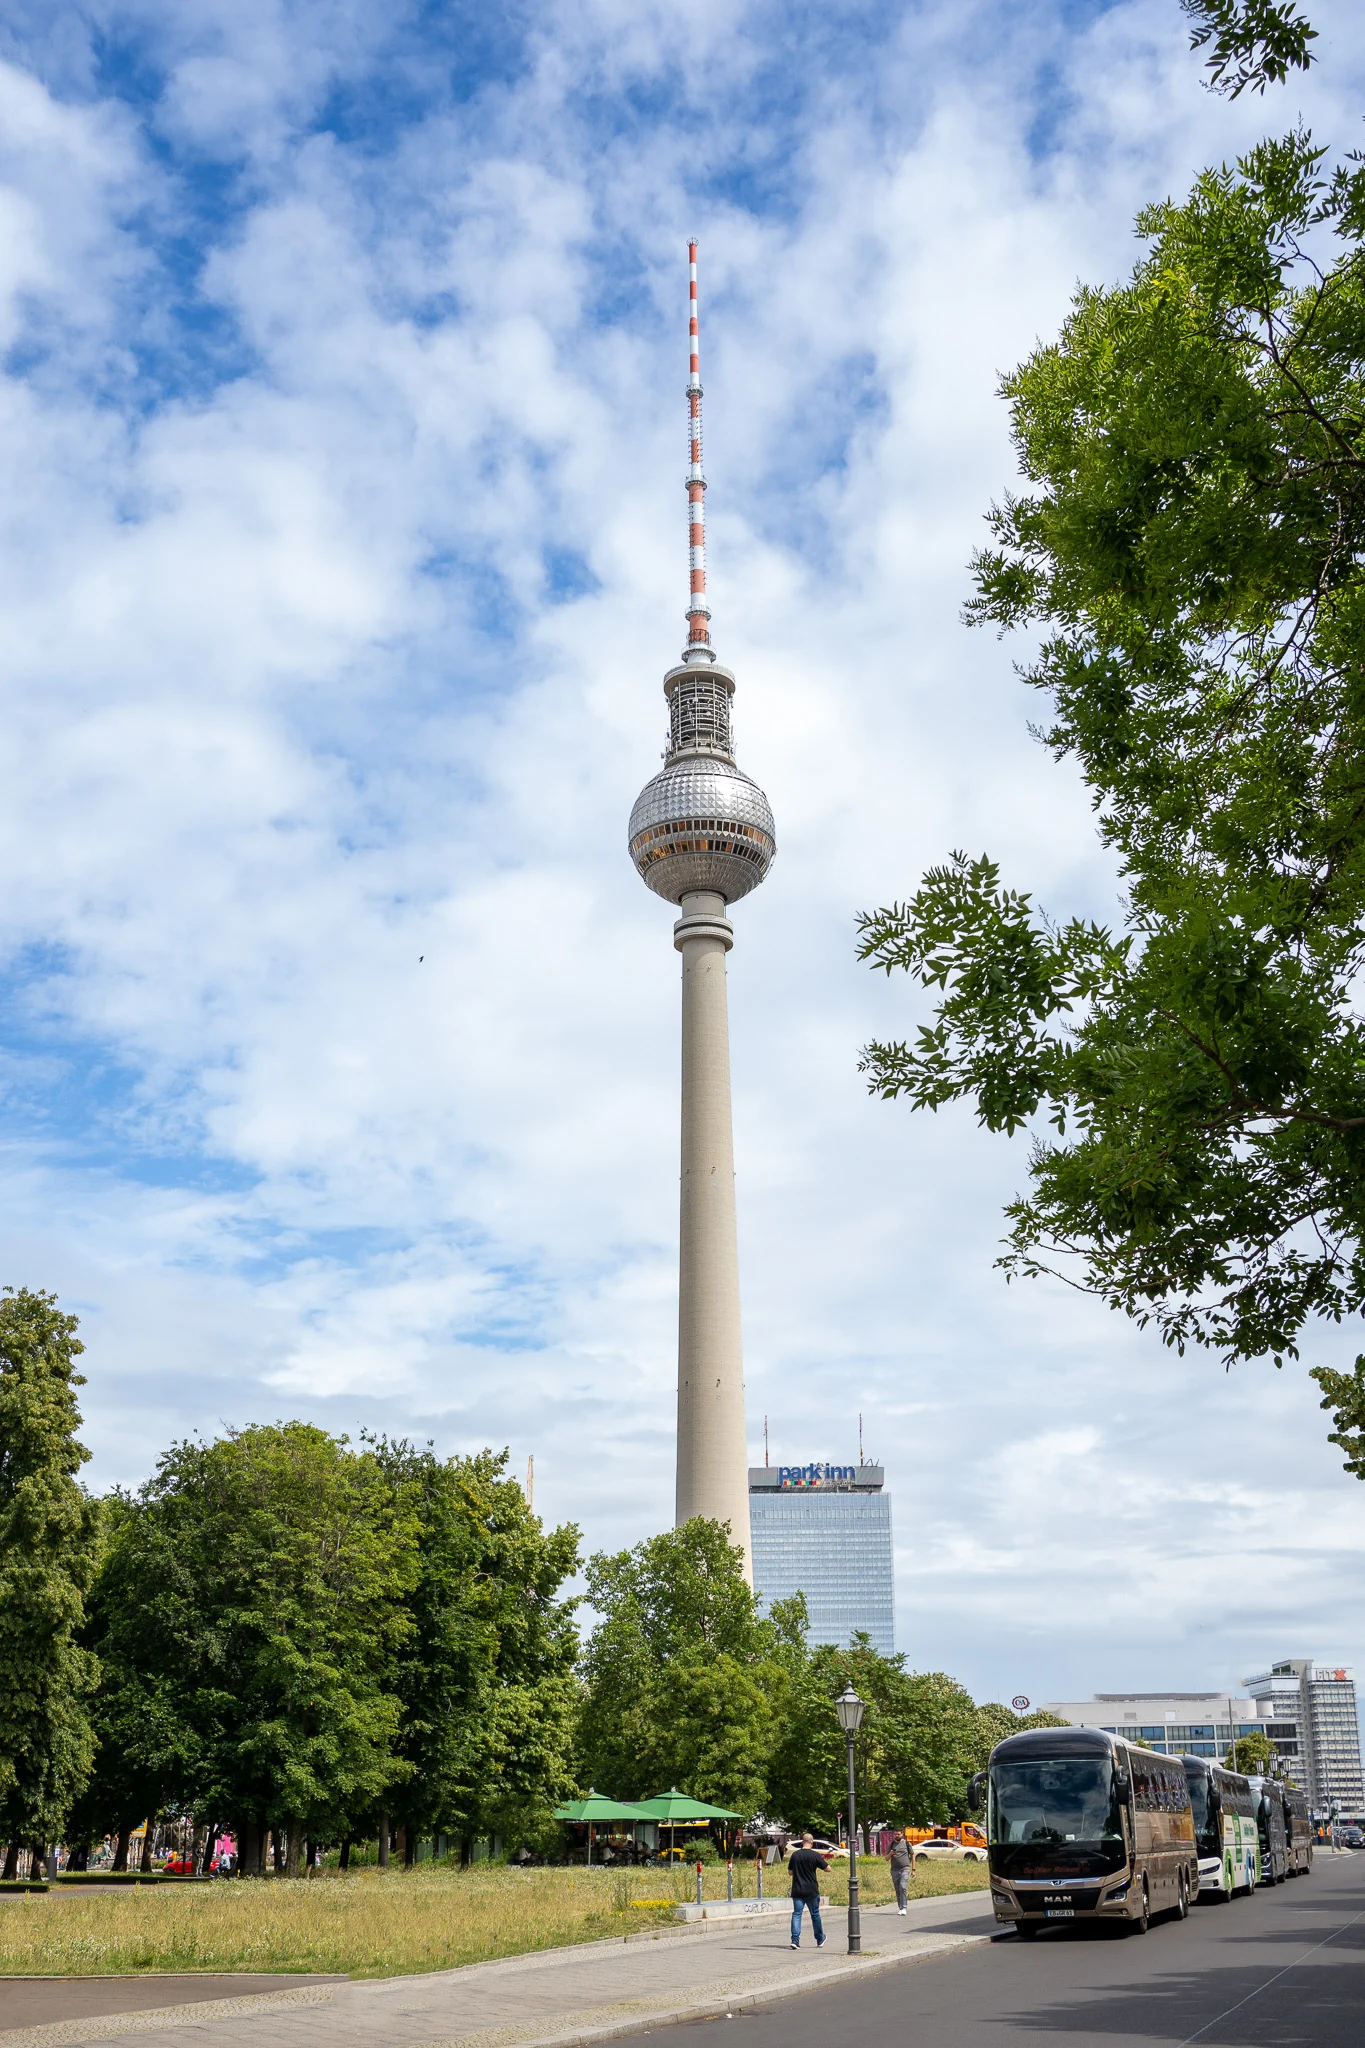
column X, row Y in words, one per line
column 712, row 1457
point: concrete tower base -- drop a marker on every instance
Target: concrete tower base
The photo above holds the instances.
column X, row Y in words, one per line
column 713, row 1475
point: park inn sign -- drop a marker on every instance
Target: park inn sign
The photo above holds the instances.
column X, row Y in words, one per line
column 823, row 1478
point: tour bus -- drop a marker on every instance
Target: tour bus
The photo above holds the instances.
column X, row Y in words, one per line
column 1298, row 1830
column 1268, row 1798
column 1082, row 1824
column 1224, row 1828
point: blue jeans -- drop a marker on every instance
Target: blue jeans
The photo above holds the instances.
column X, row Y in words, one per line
column 798, row 1907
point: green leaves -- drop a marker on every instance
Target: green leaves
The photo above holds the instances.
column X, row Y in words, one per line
column 1250, row 42
column 260, row 1582
column 677, row 1677
column 486, row 1676
column 1344, row 1395
column 1004, row 978
column 1191, row 549
column 47, row 1561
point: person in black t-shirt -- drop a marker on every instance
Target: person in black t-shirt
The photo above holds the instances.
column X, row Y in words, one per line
column 805, row 1867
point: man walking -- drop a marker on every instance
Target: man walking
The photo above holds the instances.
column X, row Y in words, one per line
column 900, row 1868
column 805, row 1867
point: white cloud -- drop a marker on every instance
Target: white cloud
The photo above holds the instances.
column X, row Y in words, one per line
column 293, row 700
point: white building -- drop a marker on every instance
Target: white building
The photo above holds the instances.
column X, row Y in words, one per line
column 1310, row 1712
column 1307, row 1710
column 1176, row 1723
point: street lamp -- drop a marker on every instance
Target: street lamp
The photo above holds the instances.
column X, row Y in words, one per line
column 849, row 1708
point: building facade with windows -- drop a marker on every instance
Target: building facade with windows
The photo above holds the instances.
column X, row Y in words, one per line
column 1307, row 1711
column 1175, row 1723
column 1311, row 1716
column 825, row 1531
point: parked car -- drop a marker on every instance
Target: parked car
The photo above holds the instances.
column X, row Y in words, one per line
column 1353, row 1838
column 939, row 1849
column 831, row 1851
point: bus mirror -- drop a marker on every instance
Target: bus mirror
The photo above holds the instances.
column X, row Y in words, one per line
column 1121, row 1784
column 974, row 1791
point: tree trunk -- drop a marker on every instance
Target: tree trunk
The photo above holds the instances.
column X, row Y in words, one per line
column 277, row 1851
column 383, row 1841
column 121, row 1848
column 146, row 1859
column 291, row 1866
column 248, row 1849
column 466, row 1851
column 79, row 1859
column 344, row 1860
column 206, row 1862
column 11, row 1862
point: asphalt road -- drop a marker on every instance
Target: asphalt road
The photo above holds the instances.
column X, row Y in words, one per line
column 1283, row 1967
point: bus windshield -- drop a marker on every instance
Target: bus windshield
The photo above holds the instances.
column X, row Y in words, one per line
column 1205, row 1811
column 1056, row 1816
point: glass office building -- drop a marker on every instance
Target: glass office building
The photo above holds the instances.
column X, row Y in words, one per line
column 825, row 1531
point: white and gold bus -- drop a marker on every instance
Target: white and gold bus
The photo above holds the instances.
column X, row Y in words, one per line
column 1082, row 1825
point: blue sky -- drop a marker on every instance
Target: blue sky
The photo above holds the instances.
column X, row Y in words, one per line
column 341, row 557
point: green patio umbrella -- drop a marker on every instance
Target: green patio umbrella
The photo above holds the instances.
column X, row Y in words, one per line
column 598, row 1807
column 671, row 1807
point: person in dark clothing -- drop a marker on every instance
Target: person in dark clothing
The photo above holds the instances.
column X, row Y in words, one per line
column 805, row 1867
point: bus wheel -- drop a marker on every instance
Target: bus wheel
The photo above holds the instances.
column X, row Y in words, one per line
column 1140, row 1925
column 1182, row 1903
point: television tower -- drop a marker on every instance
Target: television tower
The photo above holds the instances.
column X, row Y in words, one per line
column 701, row 836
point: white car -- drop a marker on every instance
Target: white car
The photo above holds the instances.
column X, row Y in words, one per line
column 938, row 1849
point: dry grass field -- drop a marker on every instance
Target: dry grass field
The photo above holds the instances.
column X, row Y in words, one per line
column 373, row 1924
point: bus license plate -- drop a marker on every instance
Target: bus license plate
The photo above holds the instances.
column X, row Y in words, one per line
column 1059, row 1912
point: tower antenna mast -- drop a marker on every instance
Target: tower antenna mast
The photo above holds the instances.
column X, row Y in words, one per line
column 699, row 646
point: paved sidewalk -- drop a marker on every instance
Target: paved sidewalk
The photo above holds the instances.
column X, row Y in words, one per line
column 39, row 2001
column 556, row 1998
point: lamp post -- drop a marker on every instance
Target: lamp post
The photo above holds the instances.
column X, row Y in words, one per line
column 849, row 1708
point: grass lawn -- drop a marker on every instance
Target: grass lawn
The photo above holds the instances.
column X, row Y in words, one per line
column 375, row 1924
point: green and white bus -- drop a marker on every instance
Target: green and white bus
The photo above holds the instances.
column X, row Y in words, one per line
column 1225, row 1829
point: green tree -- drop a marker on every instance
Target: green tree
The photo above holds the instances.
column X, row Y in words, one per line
column 264, row 1578
column 920, row 1741
column 1250, row 42
column 146, row 1752
column 807, row 1773
column 678, row 1673
column 1192, row 549
column 996, row 1721
column 47, row 1555
column 486, row 1676
column 1252, row 1755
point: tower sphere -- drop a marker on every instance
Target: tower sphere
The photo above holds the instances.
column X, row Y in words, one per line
column 701, row 822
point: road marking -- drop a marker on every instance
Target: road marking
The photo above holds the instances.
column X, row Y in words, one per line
column 1271, row 1980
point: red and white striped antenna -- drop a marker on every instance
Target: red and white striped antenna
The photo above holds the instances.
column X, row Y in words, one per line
column 699, row 646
